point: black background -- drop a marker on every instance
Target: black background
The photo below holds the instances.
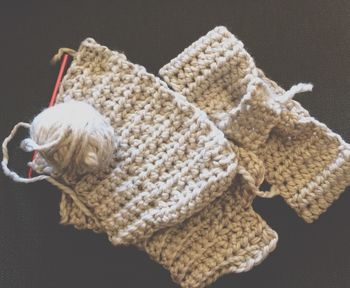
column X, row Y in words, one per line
column 291, row 41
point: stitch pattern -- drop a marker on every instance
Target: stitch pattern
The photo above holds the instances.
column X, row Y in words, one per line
column 227, row 236
column 174, row 186
column 168, row 160
column 305, row 162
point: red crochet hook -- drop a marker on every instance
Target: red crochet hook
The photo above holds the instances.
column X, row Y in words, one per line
column 63, row 66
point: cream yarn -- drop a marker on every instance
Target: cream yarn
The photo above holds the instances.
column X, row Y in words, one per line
column 305, row 162
column 73, row 138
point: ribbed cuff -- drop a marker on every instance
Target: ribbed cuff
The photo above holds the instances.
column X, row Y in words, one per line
column 226, row 237
column 315, row 198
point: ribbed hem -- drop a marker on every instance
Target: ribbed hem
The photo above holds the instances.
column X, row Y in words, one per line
column 230, row 265
column 228, row 236
column 315, row 198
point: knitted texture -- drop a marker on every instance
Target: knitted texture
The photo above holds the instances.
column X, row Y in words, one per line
column 169, row 161
column 305, row 162
column 226, row 236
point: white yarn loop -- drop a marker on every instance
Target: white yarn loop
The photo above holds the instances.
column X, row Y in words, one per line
column 295, row 89
column 5, row 158
column 29, row 145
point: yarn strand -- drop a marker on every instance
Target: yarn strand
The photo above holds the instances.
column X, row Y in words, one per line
column 295, row 89
column 5, row 158
column 250, row 181
column 15, row 177
column 60, row 53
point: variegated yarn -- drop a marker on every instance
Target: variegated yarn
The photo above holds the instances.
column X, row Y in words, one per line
column 163, row 159
column 175, row 186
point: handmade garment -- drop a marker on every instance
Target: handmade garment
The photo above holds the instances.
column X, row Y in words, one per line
column 227, row 236
column 169, row 161
column 305, row 162
column 175, row 187
column 230, row 231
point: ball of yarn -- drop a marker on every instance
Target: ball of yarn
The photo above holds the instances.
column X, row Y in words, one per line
column 73, row 138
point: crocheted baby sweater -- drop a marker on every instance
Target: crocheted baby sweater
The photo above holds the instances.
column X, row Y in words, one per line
column 175, row 186
column 227, row 235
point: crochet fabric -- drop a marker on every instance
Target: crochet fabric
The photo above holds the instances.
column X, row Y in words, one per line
column 227, row 236
column 170, row 161
column 305, row 162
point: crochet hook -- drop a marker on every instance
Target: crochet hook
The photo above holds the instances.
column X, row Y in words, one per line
column 63, row 66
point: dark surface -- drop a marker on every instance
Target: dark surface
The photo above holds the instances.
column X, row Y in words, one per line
column 292, row 41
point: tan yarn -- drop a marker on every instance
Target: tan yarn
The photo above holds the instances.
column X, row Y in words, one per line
column 174, row 186
column 305, row 162
column 225, row 237
column 169, row 160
